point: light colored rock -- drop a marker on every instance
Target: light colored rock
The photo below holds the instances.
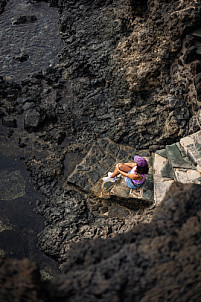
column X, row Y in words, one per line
column 186, row 176
column 193, row 175
column 161, row 186
column 189, row 145
column 159, row 164
column 198, row 167
column 185, row 141
column 135, row 193
column 181, row 175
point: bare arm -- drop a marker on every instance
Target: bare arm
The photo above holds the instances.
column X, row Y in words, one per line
column 130, row 165
column 131, row 176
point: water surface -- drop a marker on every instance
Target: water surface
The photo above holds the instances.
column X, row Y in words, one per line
column 29, row 37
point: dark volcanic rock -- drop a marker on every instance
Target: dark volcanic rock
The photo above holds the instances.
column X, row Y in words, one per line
column 9, row 121
column 129, row 70
column 20, row 281
column 71, row 217
column 32, row 120
column 45, row 172
column 22, row 58
column 196, row 67
column 190, row 55
column 159, row 261
column 25, row 19
column 121, row 61
column 2, row 5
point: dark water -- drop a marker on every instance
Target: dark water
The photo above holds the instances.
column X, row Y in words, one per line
column 29, row 43
column 29, row 38
column 19, row 223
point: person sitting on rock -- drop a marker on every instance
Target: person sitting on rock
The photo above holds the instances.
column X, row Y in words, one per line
column 134, row 173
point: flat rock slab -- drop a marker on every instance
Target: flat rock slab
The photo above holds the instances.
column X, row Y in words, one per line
column 162, row 153
column 163, row 176
column 175, row 157
column 121, row 192
column 161, row 186
column 192, row 146
column 162, row 167
column 174, row 163
column 187, row 176
column 102, row 158
column 133, row 198
column 99, row 160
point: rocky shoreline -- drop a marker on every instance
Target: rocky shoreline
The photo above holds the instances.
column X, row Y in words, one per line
column 127, row 71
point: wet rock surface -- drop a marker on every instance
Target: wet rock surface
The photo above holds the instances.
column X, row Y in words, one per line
column 19, row 222
column 31, row 43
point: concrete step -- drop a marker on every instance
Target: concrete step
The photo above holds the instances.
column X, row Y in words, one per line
column 162, row 175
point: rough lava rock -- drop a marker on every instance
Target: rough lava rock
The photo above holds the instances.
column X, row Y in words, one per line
column 129, row 70
column 32, row 120
column 158, row 261
column 20, row 281
column 118, row 60
column 2, row 5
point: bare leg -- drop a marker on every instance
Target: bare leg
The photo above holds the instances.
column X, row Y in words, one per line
column 123, row 168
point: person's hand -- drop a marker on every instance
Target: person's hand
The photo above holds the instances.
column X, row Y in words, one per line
column 117, row 166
